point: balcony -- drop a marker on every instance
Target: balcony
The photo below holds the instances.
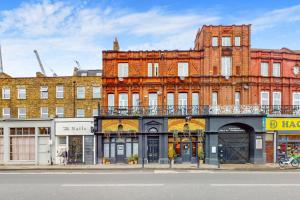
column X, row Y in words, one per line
column 200, row 110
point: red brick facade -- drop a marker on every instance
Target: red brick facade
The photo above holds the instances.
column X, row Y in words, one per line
column 205, row 74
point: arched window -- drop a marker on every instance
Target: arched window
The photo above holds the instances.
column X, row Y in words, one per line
column 153, row 130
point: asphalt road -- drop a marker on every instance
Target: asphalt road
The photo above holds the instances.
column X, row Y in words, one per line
column 184, row 185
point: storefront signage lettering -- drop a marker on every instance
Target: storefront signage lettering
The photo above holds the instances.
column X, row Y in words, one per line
column 231, row 129
column 283, row 124
column 74, row 128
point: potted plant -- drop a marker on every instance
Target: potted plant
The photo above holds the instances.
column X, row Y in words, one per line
column 135, row 158
column 200, row 155
column 171, row 155
column 106, row 161
column 130, row 160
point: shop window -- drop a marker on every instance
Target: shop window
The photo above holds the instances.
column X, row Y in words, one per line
column 44, row 130
column 22, row 143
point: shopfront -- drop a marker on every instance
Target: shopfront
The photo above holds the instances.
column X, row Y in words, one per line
column 186, row 139
column 25, row 141
column 118, row 140
column 286, row 132
column 75, row 141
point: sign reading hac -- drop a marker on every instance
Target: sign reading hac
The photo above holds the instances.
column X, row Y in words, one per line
column 290, row 124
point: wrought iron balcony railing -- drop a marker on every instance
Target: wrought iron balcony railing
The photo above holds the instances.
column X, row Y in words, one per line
column 198, row 110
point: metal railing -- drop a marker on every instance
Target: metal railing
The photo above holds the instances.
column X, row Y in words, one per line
column 199, row 110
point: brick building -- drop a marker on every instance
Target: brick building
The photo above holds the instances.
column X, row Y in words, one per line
column 42, row 116
column 47, row 97
column 221, row 81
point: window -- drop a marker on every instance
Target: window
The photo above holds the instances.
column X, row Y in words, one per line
column 44, row 92
column 111, row 102
column 21, row 113
column 237, row 41
column 149, row 69
column 264, row 69
column 96, row 92
column 195, row 103
column 214, row 41
column 183, row 69
column 276, row 101
column 80, row 92
column 59, row 111
column 170, row 102
column 80, row 112
column 214, row 99
column 226, row 66
column 123, row 100
column 155, row 70
column 95, row 112
column 182, row 103
column 264, row 98
column 122, row 70
column 62, row 140
column 276, row 69
column 152, row 103
column 152, row 71
column 21, row 93
column 296, row 70
column 6, row 113
column 135, row 99
column 296, row 98
column 44, row 112
column 5, row 93
column 237, row 99
column 44, row 130
column 59, row 92
column 226, row 42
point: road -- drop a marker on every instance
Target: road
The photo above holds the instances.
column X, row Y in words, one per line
column 184, row 185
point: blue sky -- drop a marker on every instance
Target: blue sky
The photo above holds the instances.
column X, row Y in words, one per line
column 64, row 31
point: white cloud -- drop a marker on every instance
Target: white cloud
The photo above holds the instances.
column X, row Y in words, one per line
column 275, row 18
column 63, row 32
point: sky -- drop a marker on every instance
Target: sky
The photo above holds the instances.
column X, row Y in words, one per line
column 65, row 31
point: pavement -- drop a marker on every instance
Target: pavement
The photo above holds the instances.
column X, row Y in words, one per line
column 148, row 185
column 248, row 167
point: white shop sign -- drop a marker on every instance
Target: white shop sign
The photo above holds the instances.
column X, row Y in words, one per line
column 74, row 128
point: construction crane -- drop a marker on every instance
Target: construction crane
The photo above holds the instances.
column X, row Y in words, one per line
column 1, row 64
column 39, row 61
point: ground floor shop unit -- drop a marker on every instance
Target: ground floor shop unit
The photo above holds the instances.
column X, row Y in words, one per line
column 148, row 139
column 286, row 134
column 25, row 141
column 240, row 137
column 74, row 141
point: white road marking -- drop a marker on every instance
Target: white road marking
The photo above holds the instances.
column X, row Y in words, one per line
column 113, row 185
column 255, row 185
column 165, row 172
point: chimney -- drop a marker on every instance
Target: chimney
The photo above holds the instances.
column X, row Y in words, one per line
column 1, row 64
column 116, row 46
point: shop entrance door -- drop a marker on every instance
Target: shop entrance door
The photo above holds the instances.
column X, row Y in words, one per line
column 120, row 152
column 153, row 149
column 186, row 151
column 75, row 149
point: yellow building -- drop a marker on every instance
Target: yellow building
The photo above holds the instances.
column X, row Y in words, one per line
column 46, row 97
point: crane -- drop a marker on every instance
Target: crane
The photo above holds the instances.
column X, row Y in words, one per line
column 1, row 64
column 39, row 61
